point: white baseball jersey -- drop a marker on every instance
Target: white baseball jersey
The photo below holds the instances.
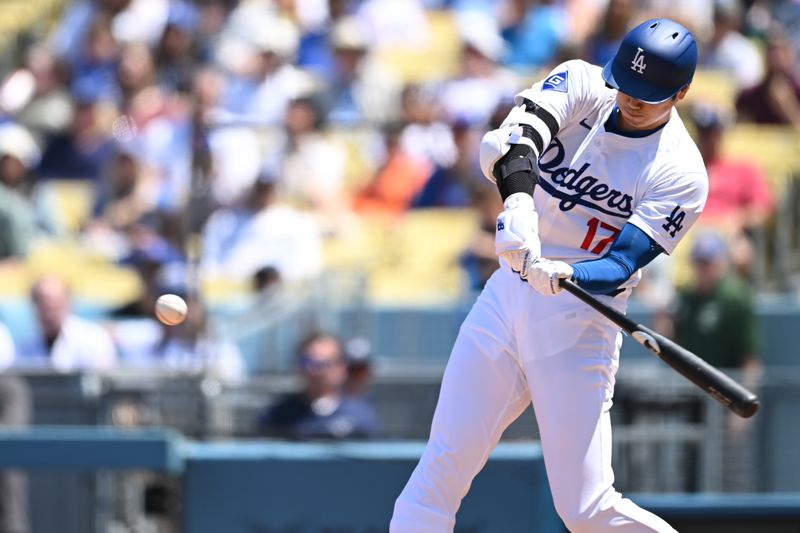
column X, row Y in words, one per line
column 518, row 347
column 593, row 181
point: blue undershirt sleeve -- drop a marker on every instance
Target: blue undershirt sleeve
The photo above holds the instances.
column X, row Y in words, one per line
column 630, row 251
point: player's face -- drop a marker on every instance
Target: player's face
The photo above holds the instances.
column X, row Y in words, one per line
column 635, row 115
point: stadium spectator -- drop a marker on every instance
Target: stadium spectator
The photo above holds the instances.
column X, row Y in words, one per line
column 714, row 317
column 730, row 51
column 481, row 83
column 425, row 134
column 36, row 94
column 21, row 215
column 193, row 346
column 81, row 151
column 260, row 231
column 315, row 51
column 130, row 21
column 314, row 166
column 392, row 189
column 262, row 78
column 785, row 14
column 479, row 260
column 740, row 199
column 64, row 342
column 136, row 77
column 125, row 193
column 176, row 52
column 321, row 410
column 601, row 45
column 94, row 71
column 776, row 99
column 453, row 185
column 360, row 89
column 154, row 124
column 534, row 33
column 392, row 24
column 68, row 41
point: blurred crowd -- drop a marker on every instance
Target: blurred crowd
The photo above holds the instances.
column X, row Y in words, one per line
column 232, row 139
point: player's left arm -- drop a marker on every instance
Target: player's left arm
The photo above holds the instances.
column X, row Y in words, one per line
column 668, row 209
column 660, row 220
column 671, row 206
column 630, row 251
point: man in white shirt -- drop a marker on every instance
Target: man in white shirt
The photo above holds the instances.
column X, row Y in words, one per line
column 240, row 240
column 64, row 341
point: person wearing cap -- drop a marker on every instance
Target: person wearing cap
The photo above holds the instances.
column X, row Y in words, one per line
column 714, row 316
column 730, row 51
column 258, row 50
column 481, row 83
column 360, row 88
column 598, row 177
column 22, row 210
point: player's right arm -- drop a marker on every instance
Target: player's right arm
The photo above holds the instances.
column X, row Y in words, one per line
column 509, row 154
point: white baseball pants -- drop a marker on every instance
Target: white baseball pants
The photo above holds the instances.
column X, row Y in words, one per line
column 516, row 347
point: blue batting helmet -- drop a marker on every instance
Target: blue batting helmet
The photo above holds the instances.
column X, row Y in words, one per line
column 655, row 60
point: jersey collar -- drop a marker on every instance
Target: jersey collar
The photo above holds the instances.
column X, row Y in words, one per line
column 611, row 127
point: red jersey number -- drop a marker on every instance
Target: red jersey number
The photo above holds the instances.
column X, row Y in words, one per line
column 605, row 240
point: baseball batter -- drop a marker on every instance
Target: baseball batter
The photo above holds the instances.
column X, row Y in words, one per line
column 619, row 182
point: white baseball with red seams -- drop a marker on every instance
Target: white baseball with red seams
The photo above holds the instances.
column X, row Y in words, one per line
column 171, row 309
column 517, row 347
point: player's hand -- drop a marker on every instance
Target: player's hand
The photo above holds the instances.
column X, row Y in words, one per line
column 517, row 238
column 544, row 275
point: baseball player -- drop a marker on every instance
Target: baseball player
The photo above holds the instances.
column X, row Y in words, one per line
column 598, row 176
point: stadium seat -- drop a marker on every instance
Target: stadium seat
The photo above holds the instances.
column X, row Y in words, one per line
column 19, row 15
column 72, row 201
column 435, row 61
column 91, row 277
column 712, row 87
column 412, row 261
column 776, row 149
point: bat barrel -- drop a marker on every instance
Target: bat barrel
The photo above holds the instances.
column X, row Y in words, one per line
column 715, row 383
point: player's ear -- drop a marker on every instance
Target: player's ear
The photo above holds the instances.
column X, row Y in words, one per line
column 682, row 93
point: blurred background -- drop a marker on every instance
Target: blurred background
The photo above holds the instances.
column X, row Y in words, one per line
column 305, row 174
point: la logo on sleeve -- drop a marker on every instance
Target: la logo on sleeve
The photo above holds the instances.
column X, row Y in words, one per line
column 638, row 64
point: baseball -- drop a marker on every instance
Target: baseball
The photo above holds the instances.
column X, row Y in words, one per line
column 171, row 309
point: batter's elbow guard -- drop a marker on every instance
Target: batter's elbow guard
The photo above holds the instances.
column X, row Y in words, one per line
column 494, row 145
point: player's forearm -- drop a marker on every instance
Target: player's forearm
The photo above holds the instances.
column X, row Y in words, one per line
column 601, row 276
column 632, row 250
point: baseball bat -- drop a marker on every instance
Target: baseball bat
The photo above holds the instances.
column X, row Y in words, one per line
column 716, row 384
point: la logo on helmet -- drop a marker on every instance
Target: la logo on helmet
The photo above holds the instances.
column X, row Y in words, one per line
column 638, row 63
